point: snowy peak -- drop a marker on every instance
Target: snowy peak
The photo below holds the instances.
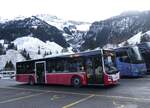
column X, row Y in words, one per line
column 73, row 31
column 61, row 23
column 52, row 20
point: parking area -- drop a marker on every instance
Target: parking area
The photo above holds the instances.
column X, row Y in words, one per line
column 130, row 93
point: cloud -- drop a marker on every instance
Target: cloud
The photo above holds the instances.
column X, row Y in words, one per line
column 85, row 10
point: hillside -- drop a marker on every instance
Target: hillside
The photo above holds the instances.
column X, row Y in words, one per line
column 116, row 29
column 34, row 26
column 45, row 27
column 31, row 46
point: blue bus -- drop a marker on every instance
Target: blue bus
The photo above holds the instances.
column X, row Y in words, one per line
column 145, row 52
column 130, row 62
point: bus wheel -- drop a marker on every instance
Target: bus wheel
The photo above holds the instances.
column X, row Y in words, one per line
column 76, row 82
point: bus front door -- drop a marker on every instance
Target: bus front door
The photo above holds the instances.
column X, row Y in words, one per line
column 40, row 72
column 94, row 70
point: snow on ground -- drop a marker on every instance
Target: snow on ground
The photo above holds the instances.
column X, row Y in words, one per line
column 83, row 27
column 53, row 46
column 32, row 44
column 11, row 55
column 148, row 32
column 109, row 46
column 133, row 40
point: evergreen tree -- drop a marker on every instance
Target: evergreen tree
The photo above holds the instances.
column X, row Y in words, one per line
column 4, row 52
column 39, row 52
column 126, row 43
column 15, row 48
column 9, row 66
column 25, row 54
column 75, row 50
column 145, row 38
column 45, row 54
column 12, row 46
column 2, row 49
column 6, row 65
column 50, row 53
column 64, row 50
column 28, row 57
column 56, row 52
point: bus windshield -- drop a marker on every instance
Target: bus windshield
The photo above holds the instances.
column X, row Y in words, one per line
column 135, row 55
column 109, row 62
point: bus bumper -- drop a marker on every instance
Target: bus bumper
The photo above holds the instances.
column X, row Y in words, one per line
column 111, row 79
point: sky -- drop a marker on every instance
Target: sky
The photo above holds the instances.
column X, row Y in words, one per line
column 79, row 10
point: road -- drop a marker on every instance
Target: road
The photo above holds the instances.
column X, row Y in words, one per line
column 130, row 93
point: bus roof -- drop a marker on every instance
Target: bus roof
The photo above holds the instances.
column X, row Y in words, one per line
column 85, row 53
column 125, row 47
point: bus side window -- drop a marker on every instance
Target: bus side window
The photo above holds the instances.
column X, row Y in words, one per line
column 72, row 66
column 59, row 66
column 123, row 56
column 75, row 65
column 30, row 67
column 125, row 59
column 80, row 66
column 50, row 66
column 20, row 68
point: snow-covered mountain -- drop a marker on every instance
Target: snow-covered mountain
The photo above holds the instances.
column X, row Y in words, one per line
column 61, row 23
column 116, row 29
column 45, row 27
column 34, row 26
column 136, row 39
column 73, row 31
column 49, row 34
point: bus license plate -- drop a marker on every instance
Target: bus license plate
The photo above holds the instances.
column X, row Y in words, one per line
column 115, row 77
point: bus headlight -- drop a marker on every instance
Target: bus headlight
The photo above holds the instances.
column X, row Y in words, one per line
column 110, row 78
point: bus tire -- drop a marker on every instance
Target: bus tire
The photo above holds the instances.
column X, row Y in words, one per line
column 31, row 82
column 76, row 82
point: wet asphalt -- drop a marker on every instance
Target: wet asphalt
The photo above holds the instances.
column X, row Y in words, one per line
column 129, row 93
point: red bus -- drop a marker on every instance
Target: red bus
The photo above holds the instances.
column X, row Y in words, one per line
column 87, row 68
